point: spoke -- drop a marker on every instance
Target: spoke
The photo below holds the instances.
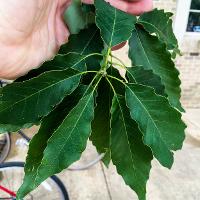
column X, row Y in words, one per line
column 12, row 181
column 8, row 184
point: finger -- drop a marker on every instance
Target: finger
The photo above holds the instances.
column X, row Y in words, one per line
column 119, row 46
column 132, row 7
column 135, row 7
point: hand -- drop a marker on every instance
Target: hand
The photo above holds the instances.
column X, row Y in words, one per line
column 31, row 33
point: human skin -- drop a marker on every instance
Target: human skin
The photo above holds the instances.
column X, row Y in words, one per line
column 31, row 33
column 135, row 7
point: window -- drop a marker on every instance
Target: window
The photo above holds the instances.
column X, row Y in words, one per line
column 194, row 17
column 187, row 21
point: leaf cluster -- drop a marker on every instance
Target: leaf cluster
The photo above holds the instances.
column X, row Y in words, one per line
column 79, row 95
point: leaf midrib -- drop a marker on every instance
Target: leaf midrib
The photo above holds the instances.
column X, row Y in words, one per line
column 36, row 175
column 83, row 57
column 145, row 22
column 148, row 115
column 126, row 132
column 146, row 55
column 76, row 122
column 88, row 43
column 129, row 146
column 113, row 27
column 159, row 69
column 57, row 155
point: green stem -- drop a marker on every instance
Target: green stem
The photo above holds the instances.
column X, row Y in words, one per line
column 106, row 59
column 85, row 56
column 85, row 72
column 124, row 67
column 95, row 54
column 117, row 79
column 97, row 83
column 89, row 72
column 113, row 89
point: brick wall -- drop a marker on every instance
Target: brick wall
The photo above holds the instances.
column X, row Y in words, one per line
column 168, row 5
column 188, row 64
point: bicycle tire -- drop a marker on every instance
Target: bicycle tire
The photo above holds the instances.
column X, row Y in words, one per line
column 55, row 179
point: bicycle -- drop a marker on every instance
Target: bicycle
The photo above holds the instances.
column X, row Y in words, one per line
column 9, row 184
column 52, row 188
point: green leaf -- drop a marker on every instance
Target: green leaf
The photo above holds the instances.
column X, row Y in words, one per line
column 119, row 88
column 116, row 26
column 62, row 62
column 160, row 23
column 68, row 141
column 75, row 17
column 130, row 156
column 139, row 75
column 158, row 59
column 59, row 62
column 49, row 125
column 29, row 101
column 88, row 41
column 100, row 135
column 161, row 125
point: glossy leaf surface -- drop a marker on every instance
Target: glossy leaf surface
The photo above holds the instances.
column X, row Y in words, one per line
column 87, row 41
column 59, row 62
column 33, row 99
column 100, row 136
column 161, row 125
column 145, row 77
column 116, row 26
column 130, row 156
column 158, row 59
column 160, row 23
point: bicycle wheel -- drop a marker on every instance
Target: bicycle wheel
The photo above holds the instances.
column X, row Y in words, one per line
column 5, row 145
column 11, row 177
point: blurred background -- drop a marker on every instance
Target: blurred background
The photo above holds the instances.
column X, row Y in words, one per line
column 183, row 181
